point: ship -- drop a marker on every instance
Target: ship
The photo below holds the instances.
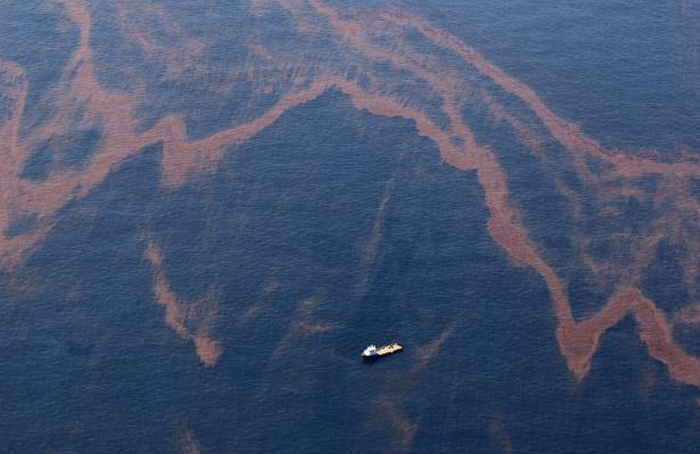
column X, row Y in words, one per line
column 373, row 352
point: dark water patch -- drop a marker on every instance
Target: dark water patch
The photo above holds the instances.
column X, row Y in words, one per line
column 20, row 224
column 587, row 294
column 33, row 35
column 38, row 165
column 687, row 337
column 70, row 151
column 649, row 183
column 619, row 370
column 663, row 280
column 82, row 147
column 630, row 215
column 120, row 65
column 7, row 106
column 695, row 188
column 78, row 348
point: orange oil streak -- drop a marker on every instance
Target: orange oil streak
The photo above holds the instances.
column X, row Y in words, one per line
column 191, row 321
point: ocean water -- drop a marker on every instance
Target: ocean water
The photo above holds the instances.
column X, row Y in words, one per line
column 209, row 209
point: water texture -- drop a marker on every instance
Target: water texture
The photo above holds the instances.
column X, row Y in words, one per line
column 209, row 208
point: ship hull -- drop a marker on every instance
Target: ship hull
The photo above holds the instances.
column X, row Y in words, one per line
column 371, row 359
column 373, row 353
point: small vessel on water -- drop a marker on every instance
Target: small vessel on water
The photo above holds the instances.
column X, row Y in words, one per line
column 372, row 352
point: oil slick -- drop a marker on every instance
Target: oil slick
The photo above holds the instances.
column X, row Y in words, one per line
column 499, row 433
column 394, row 420
column 190, row 320
column 368, row 44
column 185, row 440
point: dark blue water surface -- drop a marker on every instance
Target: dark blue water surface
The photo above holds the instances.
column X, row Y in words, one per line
column 87, row 364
